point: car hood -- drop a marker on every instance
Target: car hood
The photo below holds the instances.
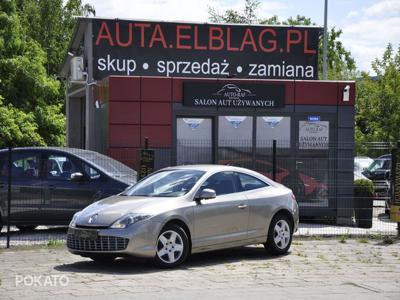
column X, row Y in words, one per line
column 107, row 211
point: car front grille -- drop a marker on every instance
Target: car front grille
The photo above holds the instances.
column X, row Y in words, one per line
column 101, row 243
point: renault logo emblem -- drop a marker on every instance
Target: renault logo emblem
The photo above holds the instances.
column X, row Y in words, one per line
column 93, row 218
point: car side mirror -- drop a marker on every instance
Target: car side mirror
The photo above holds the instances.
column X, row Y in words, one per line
column 78, row 176
column 206, row 194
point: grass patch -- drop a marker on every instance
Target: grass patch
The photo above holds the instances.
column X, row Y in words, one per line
column 296, row 243
column 375, row 236
column 53, row 243
column 343, row 238
column 363, row 240
column 387, row 240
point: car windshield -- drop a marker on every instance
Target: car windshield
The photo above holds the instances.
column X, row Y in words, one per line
column 168, row 183
column 363, row 163
column 379, row 164
column 109, row 165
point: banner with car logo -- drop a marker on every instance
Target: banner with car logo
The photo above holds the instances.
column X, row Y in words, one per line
column 238, row 95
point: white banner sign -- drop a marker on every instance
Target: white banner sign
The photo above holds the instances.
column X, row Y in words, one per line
column 314, row 135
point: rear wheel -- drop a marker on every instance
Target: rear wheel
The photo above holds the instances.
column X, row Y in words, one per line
column 279, row 235
column 172, row 247
column 25, row 228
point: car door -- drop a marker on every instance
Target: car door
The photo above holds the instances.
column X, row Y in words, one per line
column 261, row 200
column 64, row 193
column 26, row 189
column 223, row 219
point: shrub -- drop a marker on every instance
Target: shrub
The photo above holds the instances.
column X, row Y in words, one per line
column 363, row 188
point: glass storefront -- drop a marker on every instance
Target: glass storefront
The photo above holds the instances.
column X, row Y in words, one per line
column 302, row 161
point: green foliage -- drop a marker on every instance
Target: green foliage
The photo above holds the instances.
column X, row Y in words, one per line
column 378, row 101
column 363, row 188
column 34, row 36
column 248, row 16
column 341, row 65
column 17, row 127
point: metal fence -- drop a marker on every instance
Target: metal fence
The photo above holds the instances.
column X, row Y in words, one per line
column 41, row 188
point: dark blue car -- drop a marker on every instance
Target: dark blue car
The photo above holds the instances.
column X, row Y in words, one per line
column 50, row 184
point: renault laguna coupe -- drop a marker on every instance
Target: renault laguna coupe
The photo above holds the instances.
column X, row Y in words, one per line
column 187, row 209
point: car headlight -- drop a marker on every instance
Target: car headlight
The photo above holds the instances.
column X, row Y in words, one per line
column 73, row 221
column 128, row 220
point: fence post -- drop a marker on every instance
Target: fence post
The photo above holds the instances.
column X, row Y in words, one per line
column 274, row 160
column 9, row 195
column 394, row 175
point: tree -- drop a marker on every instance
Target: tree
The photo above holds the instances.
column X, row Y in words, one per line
column 248, row 16
column 378, row 101
column 34, row 36
column 51, row 24
column 341, row 65
column 17, row 128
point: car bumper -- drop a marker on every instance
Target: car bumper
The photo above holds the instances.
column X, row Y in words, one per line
column 137, row 240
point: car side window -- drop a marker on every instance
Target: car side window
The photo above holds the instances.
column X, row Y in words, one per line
column 59, row 167
column 248, row 183
column 222, row 183
column 24, row 165
column 91, row 172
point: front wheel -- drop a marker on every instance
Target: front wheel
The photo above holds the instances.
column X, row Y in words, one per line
column 279, row 235
column 172, row 247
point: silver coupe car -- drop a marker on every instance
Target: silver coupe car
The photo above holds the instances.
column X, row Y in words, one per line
column 187, row 209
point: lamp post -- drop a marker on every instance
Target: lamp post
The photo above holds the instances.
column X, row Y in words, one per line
column 324, row 54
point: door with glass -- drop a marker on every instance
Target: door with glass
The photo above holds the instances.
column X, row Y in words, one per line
column 194, row 141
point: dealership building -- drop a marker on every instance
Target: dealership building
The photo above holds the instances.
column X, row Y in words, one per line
column 214, row 93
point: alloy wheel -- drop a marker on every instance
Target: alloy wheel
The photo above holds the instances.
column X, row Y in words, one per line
column 281, row 234
column 170, row 247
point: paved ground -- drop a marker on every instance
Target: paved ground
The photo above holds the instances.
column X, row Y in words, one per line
column 325, row 268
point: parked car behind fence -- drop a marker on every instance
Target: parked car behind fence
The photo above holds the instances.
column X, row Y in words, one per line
column 50, row 184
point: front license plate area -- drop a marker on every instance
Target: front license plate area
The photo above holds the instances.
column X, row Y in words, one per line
column 86, row 234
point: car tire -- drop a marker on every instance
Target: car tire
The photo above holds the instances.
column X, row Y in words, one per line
column 280, row 235
column 26, row 228
column 102, row 259
column 172, row 247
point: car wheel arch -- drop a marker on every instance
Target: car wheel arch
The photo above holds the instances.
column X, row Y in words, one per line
column 183, row 225
column 286, row 213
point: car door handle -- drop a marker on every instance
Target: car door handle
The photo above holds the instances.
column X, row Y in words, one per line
column 242, row 206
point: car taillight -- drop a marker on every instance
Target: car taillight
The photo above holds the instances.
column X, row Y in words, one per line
column 294, row 197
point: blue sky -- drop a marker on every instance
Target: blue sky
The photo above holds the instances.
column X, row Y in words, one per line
column 368, row 25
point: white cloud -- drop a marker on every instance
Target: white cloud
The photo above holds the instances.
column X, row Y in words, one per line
column 353, row 14
column 176, row 10
column 168, row 10
column 369, row 31
column 383, row 8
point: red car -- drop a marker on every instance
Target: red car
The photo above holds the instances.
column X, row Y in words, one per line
column 302, row 185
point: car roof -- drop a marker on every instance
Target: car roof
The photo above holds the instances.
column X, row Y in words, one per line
column 205, row 167
column 385, row 156
column 82, row 154
column 75, row 151
column 222, row 168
